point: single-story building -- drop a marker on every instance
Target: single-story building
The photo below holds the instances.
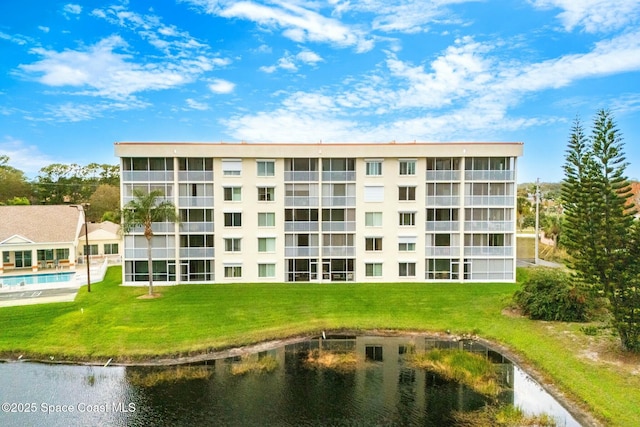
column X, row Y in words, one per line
column 39, row 237
column 104, row 242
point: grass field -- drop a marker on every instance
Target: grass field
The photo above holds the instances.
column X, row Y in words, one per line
column 111, row 322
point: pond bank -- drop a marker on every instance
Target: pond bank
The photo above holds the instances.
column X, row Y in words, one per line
column 577, row 409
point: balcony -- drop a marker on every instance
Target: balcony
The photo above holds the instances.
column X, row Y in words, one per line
column 301, row 176
column 338, row 251
column 195, row 176
column 338, row 226
column 339, row 176
column 301, row 251
column 196, row 227
column 446, row 175
column 301, row 226
column 339, row 201
column 195, row 202
column 301, row 201
column 489, row 175
column 156, row 227
column 488, row 251
column 147, row 176
column 451, row 200
column 499, row 200
column 156, row 253
column 442, row 225
column 442, row 251
column 197, row 253
column 489, row 225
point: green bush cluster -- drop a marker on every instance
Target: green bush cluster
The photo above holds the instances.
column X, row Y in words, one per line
column 553, row 294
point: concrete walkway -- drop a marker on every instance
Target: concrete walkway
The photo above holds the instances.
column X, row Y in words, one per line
column 27, row 296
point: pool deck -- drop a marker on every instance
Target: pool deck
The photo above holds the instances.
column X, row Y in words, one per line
column 28, row 296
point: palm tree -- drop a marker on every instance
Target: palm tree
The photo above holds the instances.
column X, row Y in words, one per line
column 143, row 211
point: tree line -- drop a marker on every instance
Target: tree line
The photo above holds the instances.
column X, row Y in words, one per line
column 56, row 184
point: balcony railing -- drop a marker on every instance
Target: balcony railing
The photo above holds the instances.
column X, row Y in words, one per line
column 301, row 176
column 339, row 201
column 194, row 202
column 301, row 251
column 501, row 200
column 197, row 252
column 301, row 201
column 301, row 226
column 448, row 175
column 338, row 226
column 184, row 176
column 489, row 225
column 196, row 227
column 338, row 251
column 488, row 250
column 156, row 227
column 442, row 225
column 489, row 175
column 147, row 176
column 453, row 200
column 442, row 251
column 156, row 253
column 339, row 176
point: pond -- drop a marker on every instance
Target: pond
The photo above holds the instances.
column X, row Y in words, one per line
column 376, row 385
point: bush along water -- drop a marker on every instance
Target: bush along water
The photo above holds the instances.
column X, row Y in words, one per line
column 553, row 294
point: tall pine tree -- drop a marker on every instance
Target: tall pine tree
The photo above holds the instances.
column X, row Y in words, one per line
column 598, row 220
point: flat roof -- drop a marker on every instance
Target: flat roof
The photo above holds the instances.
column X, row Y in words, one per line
column 328, row 149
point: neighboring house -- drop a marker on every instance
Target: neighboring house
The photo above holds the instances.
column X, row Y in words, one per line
column 39, row 237
column 405, row 212
column 104, row 241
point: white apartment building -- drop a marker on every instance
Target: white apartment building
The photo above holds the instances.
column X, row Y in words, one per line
column 394, row 212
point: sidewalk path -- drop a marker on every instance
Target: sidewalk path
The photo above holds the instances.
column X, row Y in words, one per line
column 37, row 296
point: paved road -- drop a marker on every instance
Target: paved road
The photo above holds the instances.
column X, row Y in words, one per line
column 40, row 296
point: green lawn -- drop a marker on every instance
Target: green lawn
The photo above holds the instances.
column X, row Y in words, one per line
column 111, row 322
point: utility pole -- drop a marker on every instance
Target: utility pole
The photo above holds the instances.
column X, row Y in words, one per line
column 537, row 260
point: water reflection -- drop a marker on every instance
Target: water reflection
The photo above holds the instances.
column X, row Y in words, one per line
column 377, row 387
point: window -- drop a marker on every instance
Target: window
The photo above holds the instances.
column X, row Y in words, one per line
column 231, row 271
column 266, row 244
column 373, row 193
column 406, row 193
column 233, row 244
column 373, row 219
column 109, row 249
column 374, row 167
column 406, row 247
column 407, row 167
column 373, row 352
column 93, row 250
column 64, row 253
column 266, row 194
column 232, row 194
column 232, row 167
column 266, row 270
column 407, row 218
column 233, row 219
column 266, row 219
column 373, row 269
column 407, row 269
column 373, row 243
column 266, row 167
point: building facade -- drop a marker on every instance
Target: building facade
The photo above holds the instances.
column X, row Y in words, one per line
column 395, row 212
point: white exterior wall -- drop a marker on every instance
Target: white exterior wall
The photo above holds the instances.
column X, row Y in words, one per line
column 389, row 256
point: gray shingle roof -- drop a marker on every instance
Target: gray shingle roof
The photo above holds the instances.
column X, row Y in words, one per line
column 40, row 223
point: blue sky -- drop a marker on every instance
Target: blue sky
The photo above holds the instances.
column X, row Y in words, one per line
column 76, row 77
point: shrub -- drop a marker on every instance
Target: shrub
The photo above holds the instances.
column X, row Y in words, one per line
column 553, row 294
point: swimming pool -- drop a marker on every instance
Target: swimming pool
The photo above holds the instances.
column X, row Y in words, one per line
column 36, row 279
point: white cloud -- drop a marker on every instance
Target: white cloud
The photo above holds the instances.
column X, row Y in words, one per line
column 309, row 57
column 593, row 15
column 104, row 72
column 298, row 22
column 195, row 105
column 23, row 156
column 43, row 28
column 222, row 86
column 74, row 9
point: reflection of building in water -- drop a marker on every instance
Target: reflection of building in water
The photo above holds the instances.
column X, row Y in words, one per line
column 387, row 380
